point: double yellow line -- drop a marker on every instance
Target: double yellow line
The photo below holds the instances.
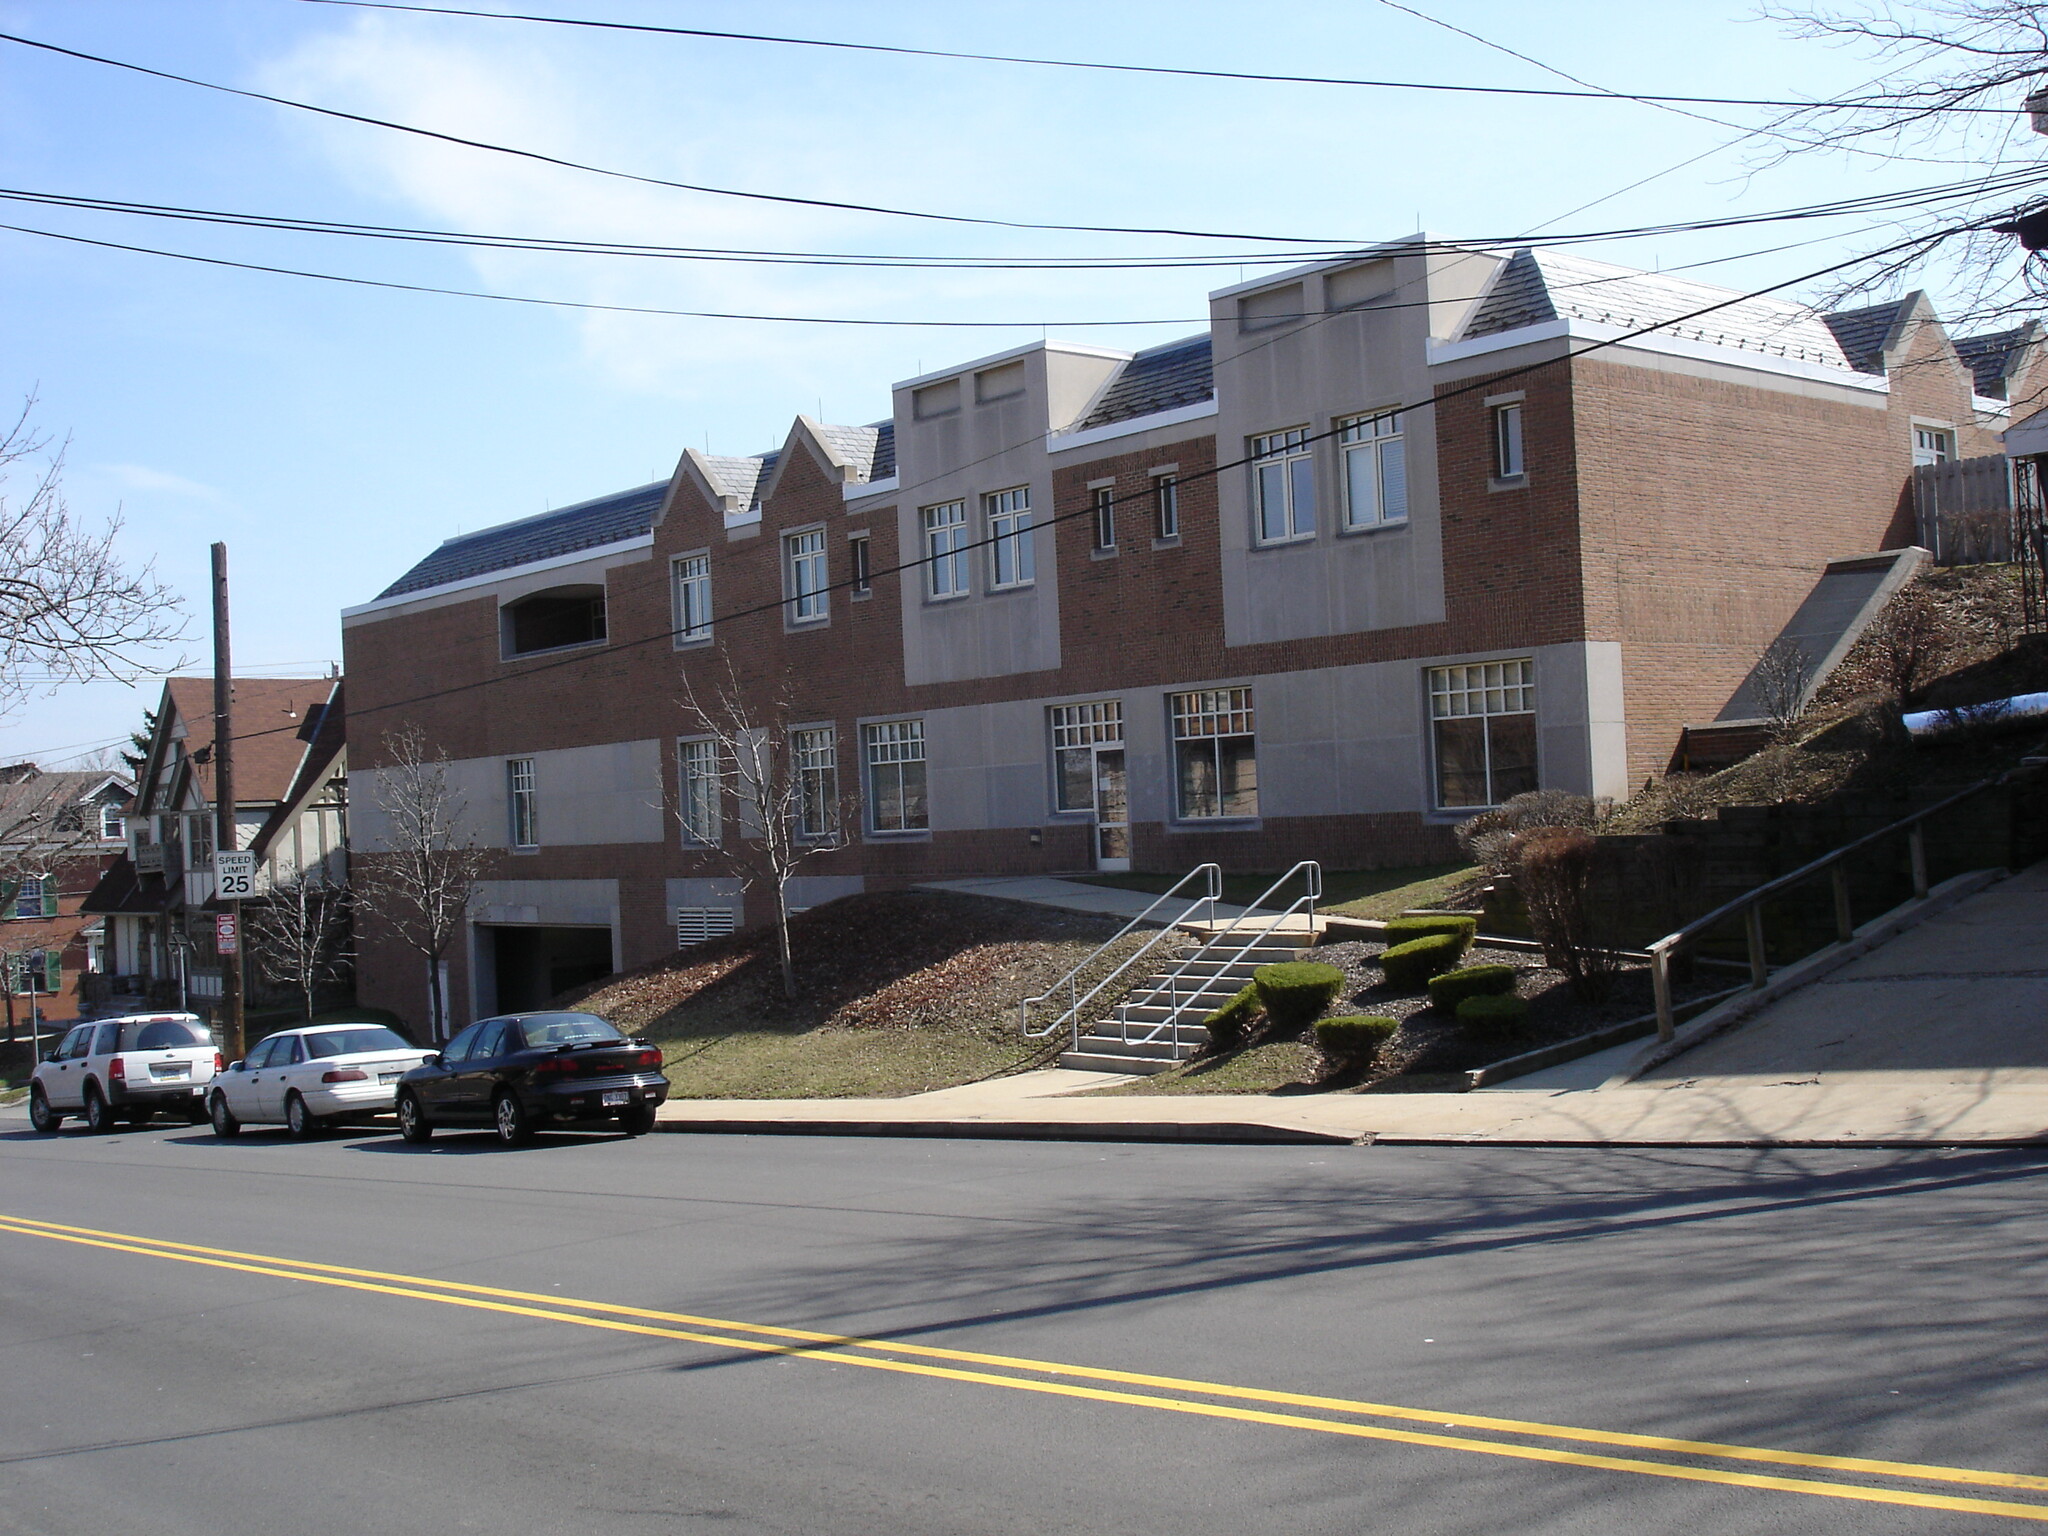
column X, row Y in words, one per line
column 1521, row 1439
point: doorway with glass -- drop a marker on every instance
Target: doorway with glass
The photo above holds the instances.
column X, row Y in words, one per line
column 1088, row 769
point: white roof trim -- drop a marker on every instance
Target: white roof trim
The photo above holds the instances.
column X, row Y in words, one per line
column 1416, row 244
column 865, row 488
column 1081, row 348
column 493, row 578
column 1061, row 442
column 1441, row 352
column 1984, row 405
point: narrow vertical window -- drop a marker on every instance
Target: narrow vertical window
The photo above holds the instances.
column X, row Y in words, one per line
column 1507, row 442
column 945, row 549
column 1375, row 471
column 857, row 555
column 895, row 766
column 1105, row 517
column 1284, row 486
column 692, row 578
column 1011, row 558
column 814, row 754
column 1215, row 757
column 1483, row 731
column 803, row 556
column 697, row 782
column 1165, row 506
column 525, row 824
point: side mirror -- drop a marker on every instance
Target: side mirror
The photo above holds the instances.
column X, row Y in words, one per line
column 238, row 1066
column 53, row 1056
column 433, row 1060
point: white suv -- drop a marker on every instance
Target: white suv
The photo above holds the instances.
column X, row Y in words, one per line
column 126, row 1068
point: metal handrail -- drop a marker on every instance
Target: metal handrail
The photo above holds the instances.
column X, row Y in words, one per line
column 1077, row 1001
column 1313, row 881
column 1750, row 903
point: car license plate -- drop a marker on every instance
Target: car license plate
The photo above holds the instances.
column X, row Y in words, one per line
column 615, row 1096
column 170, row 1069
column 389, row 1077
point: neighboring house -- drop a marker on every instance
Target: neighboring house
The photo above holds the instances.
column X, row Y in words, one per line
column 291, row 809
column 1364, row 628
column 59, row 831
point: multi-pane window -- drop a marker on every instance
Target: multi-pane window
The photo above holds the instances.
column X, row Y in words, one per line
column 895, row 764
column 1105, row 517
column 858, row 556
column 803, row 555
column 1284, row 486
column 1077, row 729
column 36, row 897
column 1507, row 442
column 1375, row 471
column 945, row 549
column 814, row 756
column 692, row 576
column 1216, row 770
column 1011, row 560
column 40, row 970
column 697, row 779
column 1483, row 725
column 113, row 825
column 520, row 800
column 1933, row 445
column 1165, row 506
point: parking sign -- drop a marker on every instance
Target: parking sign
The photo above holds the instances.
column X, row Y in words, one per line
column 234, row 874
column 227, row 935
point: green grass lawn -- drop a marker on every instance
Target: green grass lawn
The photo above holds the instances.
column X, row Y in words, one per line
column 835, row 1063
column 1371, row 893
column 1267, row 1068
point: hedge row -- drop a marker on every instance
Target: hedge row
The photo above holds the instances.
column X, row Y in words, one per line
column 1354, row 1037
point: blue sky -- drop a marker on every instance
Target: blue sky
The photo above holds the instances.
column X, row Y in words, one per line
column 333, row 435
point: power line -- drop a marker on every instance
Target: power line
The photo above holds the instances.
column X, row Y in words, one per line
column 1127, row 69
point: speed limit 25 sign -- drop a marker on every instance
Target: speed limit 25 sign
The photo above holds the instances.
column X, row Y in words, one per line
column 234, row 874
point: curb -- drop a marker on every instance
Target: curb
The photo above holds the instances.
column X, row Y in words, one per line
column 1017, row 1130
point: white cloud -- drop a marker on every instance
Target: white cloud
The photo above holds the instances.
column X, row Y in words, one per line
column 140, row 477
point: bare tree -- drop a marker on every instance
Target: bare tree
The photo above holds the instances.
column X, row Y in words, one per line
column 1779, row 682
column 70, row 609
column 422, row 880
column 298, row 934
column 783, row 782
column 39, row 832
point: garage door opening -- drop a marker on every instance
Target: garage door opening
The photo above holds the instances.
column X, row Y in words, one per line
column 531, row 966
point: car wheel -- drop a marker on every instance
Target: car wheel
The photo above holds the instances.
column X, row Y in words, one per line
column 224, row 1122
column 40, row 1115
column 637, row 1120
column 99, row 1115
column 303, row 1124
column 413, row 1124
column 515, row 1125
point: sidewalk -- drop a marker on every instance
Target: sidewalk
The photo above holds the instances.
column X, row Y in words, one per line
column 1071, row 895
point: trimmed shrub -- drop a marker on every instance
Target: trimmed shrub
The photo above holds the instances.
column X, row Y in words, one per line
column 1413, row 963
column 1228, row 1025
column 1295, row 992
column 1355, row 1037
column 1401, row 929
column 1494, row 1010
column 1453, row 987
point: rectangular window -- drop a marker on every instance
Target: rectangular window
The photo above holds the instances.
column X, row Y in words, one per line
column 1216, row 771
column 1483, row 728
column 36, row 896
column 519, row 797
column 1284, row 486
column 697, row 778
column 1011, row 558
column 1933, row 445
column 1077, row 729
column 814, row 755
column 895, row 757
column 40, row 970
column 1375, row 471
column 1507, row 442
column 1165, row 506
column 803, row 556
column 945, row 549
column 857, row 555
column 692, row 574
column 1105, row 517
column 113, row 825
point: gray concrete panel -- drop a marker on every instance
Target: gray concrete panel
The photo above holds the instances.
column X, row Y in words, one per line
column 565, row 903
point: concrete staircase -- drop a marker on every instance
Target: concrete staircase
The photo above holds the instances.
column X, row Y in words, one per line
column 1139, row 1036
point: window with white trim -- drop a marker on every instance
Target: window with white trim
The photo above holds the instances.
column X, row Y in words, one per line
column 1283, row 486
column 1077, row 729
column 1933, row 445
column 691, row 578
column 1166, row 506
column 1105, row 516
column 1011, row 559
column 113, row 824
column 524, row 817
column 803, row 560
column 36, row 896
column 40, row 970
column 1375, row 471
column 814, row 757
column 858, row 555
column 698, row 785
column 1483, row 732
column 895, row 769
column 1215, row 758
column 945, row 549
column 1508, row 463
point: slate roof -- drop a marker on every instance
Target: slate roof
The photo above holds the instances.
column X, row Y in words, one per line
column 1160, row 378
column 1862, row 332
column 856, row 445
column 1536, row 286
column 1989, row 356
column 31, row 799
column 884, row 466
column 587, row 525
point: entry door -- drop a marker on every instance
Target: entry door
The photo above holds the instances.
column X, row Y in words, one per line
column 1112, row 810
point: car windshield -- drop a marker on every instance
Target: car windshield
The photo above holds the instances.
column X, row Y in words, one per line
column 346, row 1042
column 567, row 1029
column 163, row 1035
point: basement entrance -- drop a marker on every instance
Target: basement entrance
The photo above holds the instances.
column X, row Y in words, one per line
column 530, row 966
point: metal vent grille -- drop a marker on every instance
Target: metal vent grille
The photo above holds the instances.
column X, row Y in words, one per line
column 696, row 924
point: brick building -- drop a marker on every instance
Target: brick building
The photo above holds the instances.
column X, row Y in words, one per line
column 59, row 831
column 1374, row 551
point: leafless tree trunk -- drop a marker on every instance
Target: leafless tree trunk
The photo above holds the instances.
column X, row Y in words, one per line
column 421, row 882
column 1781, row 677
column 70, row 609
column 298, row 934
column 788, row 812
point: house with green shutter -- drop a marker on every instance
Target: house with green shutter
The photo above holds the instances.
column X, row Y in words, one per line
column 59, row 832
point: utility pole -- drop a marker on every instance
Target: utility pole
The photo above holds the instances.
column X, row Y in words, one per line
column 233, row 1045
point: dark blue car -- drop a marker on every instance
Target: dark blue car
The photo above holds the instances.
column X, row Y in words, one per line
column 528, row 1072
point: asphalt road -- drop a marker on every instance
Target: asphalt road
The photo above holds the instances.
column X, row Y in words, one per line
column 1045, row 1338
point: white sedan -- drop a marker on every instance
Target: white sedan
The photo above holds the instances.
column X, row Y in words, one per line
column 311, row 1078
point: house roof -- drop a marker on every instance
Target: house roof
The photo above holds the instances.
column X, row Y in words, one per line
column 30, row 798
column 1157, row 379
column 1863, row 332
column 587, row 525
column 325, row 734
column 1990, row 357
column 856, row 445
column 271, row 716
column 1537, row 286
column 121, row 889
column 884, row 465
